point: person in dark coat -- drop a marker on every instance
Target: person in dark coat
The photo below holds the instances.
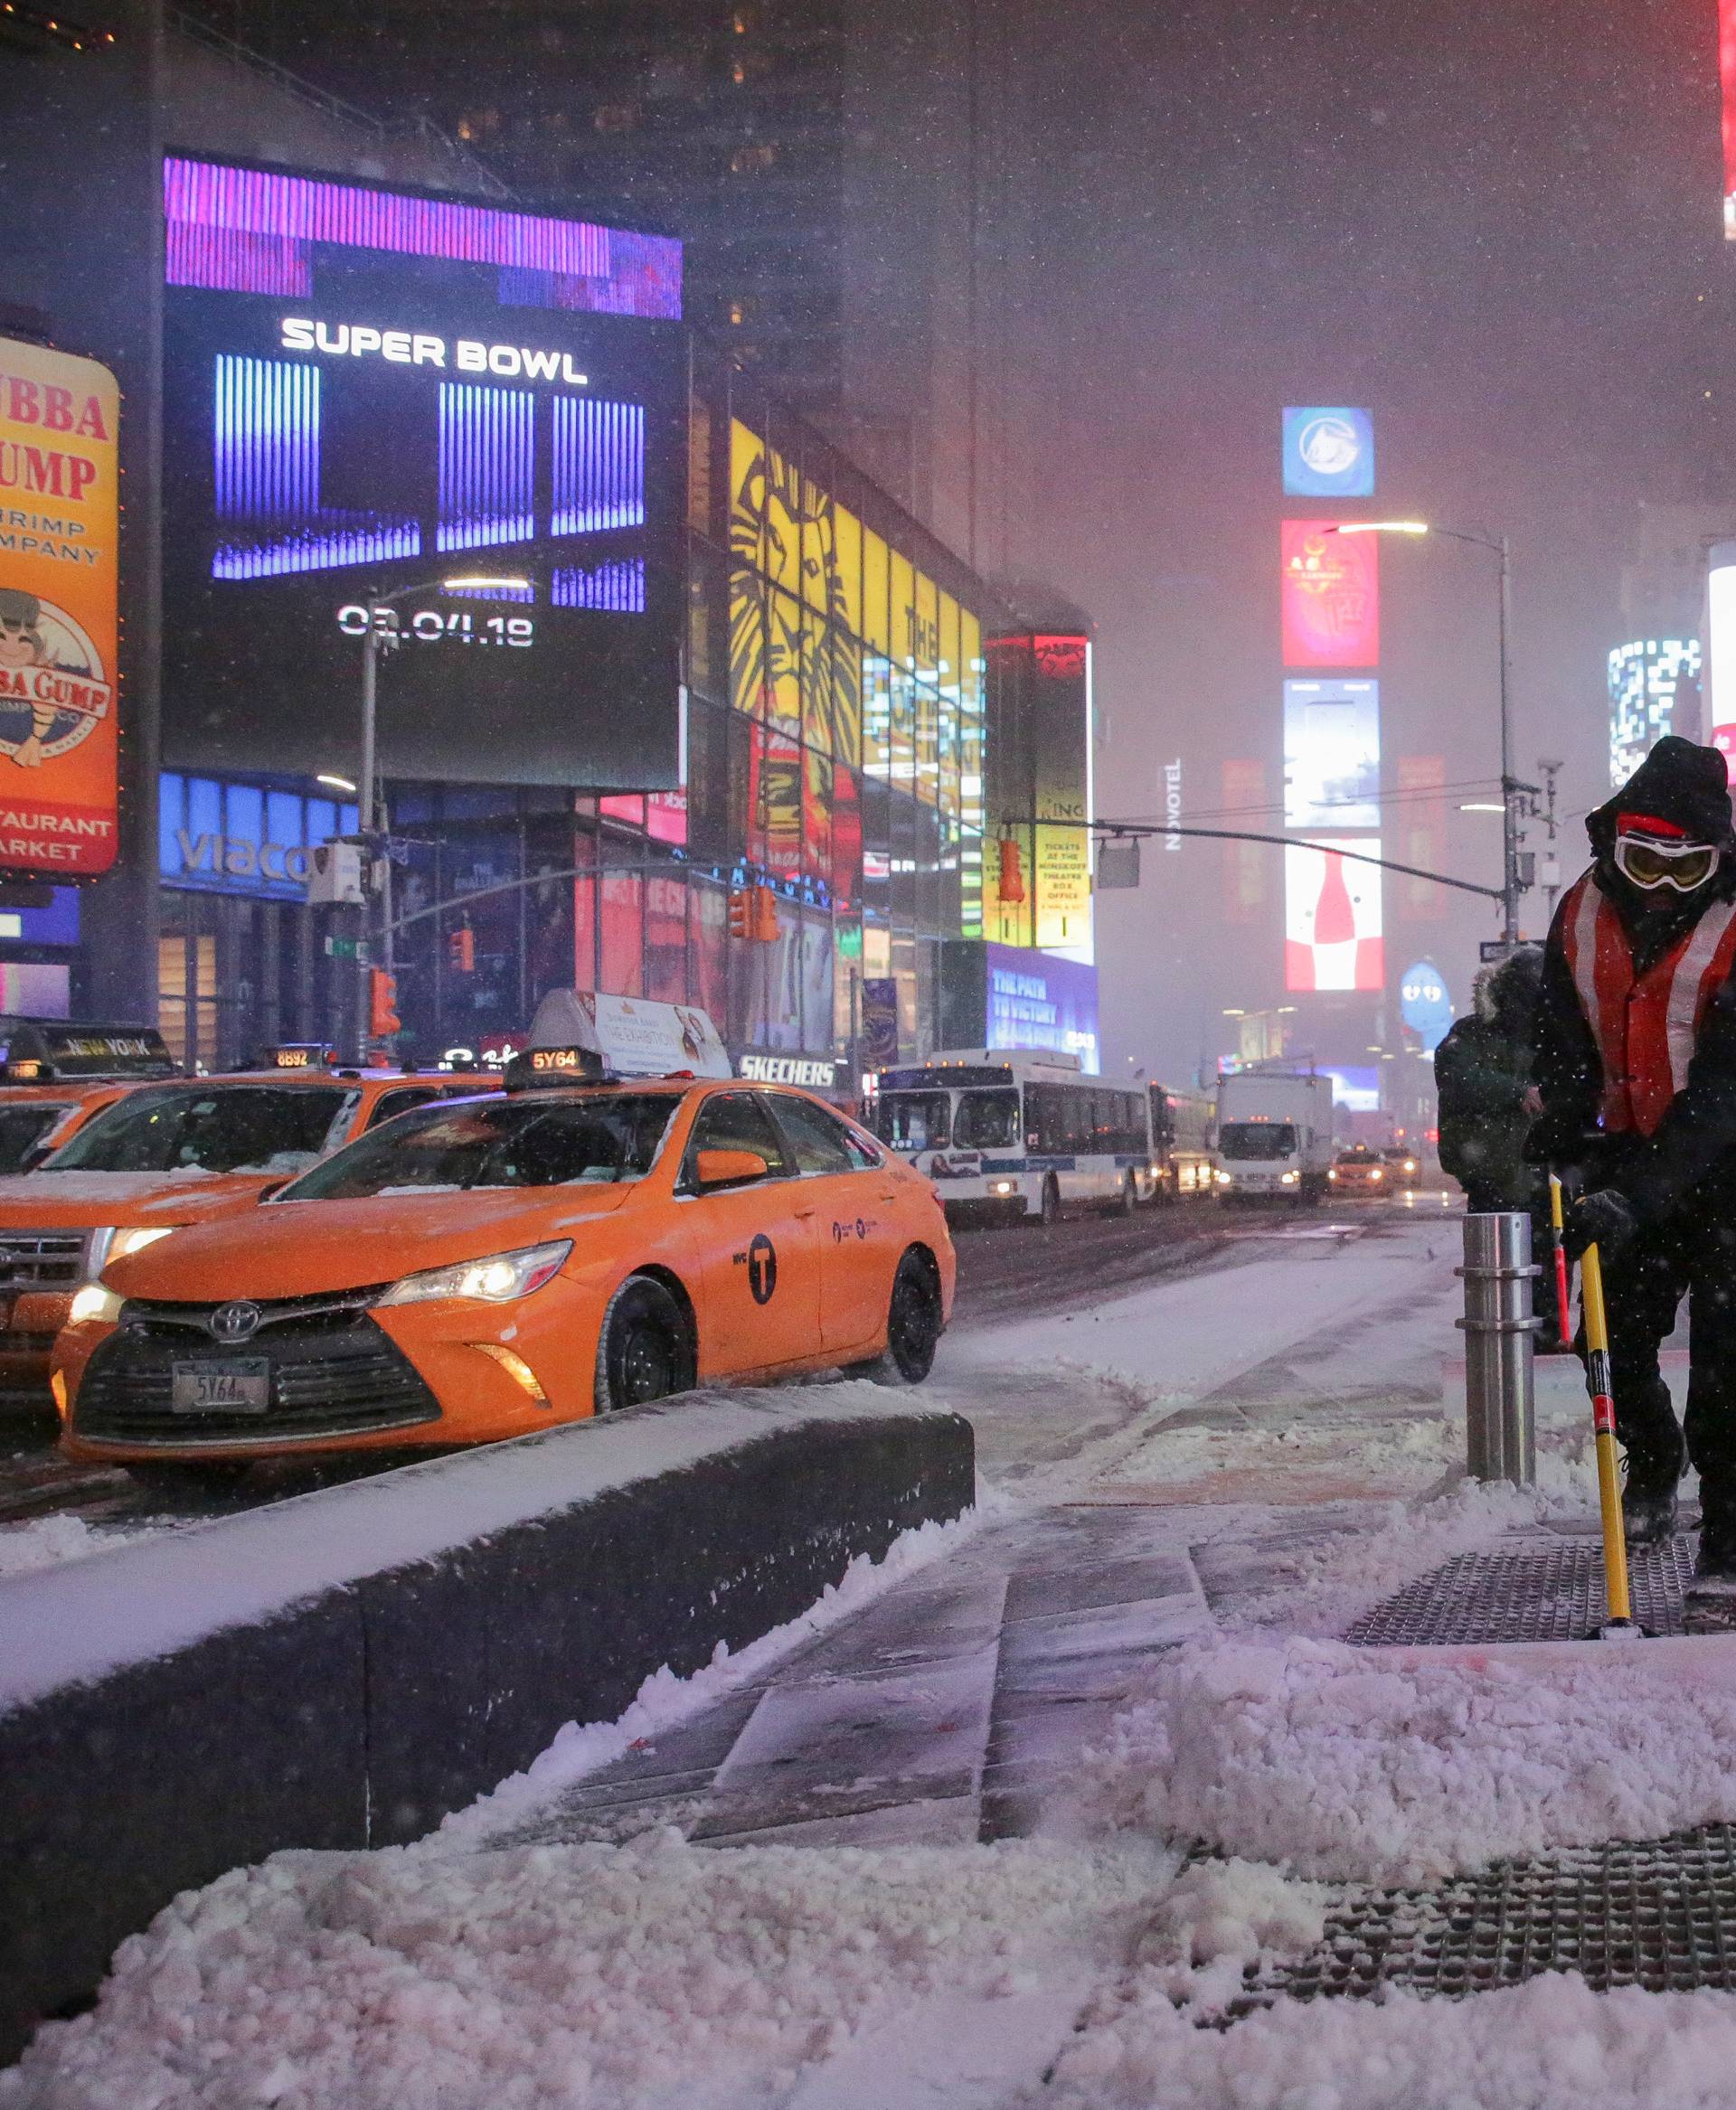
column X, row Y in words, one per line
column 1636, row 1068
column 1488, row 1103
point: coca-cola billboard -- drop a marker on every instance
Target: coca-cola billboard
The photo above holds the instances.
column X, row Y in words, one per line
column 1332, row 916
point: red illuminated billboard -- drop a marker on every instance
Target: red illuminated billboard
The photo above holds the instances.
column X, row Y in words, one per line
column 1332, row 916
column 1332, row 595
column 1727, row 74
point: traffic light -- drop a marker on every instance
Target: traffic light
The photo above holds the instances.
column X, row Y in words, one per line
column 1010, row 884
column 765, row 916
column 382, row 1004
column 740, row 912
column 461, row 947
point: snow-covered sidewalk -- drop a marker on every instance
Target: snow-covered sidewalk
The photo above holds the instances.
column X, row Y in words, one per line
column 957, row 1818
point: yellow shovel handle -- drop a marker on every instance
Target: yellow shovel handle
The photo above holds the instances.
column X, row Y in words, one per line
column 1603, row 1421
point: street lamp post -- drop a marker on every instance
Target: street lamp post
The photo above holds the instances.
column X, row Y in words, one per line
column 1509, row 786
column 370, row 820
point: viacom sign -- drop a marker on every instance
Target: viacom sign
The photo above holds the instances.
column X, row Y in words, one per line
column 221, row 837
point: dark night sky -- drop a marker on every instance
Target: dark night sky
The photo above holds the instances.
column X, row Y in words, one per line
column 1498, row 227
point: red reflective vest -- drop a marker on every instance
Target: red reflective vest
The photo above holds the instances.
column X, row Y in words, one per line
column 1645, row 1026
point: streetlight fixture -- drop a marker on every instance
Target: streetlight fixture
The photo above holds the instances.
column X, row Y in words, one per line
column 336, row 783
column 1509, row 783
column 1480, row 805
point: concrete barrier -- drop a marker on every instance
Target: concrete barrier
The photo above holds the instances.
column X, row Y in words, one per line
column 344, row 1669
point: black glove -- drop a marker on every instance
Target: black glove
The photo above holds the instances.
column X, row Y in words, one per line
column 1605, row 1219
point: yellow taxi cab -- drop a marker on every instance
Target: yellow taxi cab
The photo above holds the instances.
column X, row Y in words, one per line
column 1360, row 1171
column 485, row 1269
column 56, row 1073
column 167, row 1153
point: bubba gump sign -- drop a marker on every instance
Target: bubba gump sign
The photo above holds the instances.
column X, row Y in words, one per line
column 60, row 517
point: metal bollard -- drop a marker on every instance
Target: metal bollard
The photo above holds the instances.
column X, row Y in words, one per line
column 1500, row 1416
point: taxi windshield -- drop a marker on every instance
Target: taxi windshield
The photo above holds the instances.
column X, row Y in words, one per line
column 499, row 1143
column 207, row 1128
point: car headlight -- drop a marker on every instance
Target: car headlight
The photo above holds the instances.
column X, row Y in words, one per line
column 1287, row 1179
column 1375, row 1174
column 1002, row 1187
column 114, row 1241
column 496, row 1280
column 1223, row 1178
column 1333, row 1173
column 94, row 1302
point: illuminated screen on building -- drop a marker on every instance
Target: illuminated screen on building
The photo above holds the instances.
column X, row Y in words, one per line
column 1654, row 690
column 1727, row 73
column 368, row 391
column 1332, row 596
column 1332, row 754
column 1332, row 916
column 1328, row 454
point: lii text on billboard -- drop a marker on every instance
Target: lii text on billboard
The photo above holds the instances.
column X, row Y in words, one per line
column 1332, row 596
column 58, row 523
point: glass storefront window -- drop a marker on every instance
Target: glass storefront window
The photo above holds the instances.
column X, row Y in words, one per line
column 665, row 938
column 622, row 951
column 708, row 937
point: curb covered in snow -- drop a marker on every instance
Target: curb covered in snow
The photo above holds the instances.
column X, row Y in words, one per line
column 346, row 1668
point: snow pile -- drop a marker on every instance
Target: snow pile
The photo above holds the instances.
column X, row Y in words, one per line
column 1219, row 1917
column 664, row 1699
column 1552, row 2044
column 584, row 1976
column 46, row 1541
column 1317, row 1756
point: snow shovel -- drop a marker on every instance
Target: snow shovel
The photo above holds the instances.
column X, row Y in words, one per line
column 1558, row 1246
column 1620, row 1621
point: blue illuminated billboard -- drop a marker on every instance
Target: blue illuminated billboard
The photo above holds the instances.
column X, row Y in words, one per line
column 1328, row 453
column 367, row 392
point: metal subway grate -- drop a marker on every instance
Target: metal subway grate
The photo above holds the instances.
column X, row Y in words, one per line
column 1659, row 1914
column 1529, row 1593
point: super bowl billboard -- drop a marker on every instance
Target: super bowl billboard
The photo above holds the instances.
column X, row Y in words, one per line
column 369, row 394
column 58, row 523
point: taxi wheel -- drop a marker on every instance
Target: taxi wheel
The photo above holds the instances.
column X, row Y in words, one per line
column 646, row 1351
column 913, row 1327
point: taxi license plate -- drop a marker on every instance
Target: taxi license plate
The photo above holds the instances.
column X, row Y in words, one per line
column 241, row 1387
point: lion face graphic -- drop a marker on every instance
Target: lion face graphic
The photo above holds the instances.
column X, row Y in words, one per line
column 789, row 639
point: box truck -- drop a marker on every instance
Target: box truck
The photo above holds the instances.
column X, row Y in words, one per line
column 1273, row 1135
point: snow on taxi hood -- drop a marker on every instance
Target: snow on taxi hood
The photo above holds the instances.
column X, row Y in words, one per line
column 82, row 1200
column 296, row 1248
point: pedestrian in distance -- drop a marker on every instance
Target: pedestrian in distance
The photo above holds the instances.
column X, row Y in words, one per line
column 1636, row 1067
column 1484, row 1079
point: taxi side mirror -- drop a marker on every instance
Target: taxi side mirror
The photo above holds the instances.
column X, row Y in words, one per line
column 728, row 1168
column 271, row 1189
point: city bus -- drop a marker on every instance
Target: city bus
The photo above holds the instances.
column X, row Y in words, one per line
column 1016, row 1132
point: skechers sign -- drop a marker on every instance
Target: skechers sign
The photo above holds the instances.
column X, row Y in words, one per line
column 1328, row 454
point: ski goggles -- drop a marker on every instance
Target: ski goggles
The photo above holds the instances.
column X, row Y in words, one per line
column 1650, row 864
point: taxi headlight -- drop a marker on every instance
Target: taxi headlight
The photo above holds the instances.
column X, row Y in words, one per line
column 94, row 1302
column 114, row 1241
column 1375, row 1174
column 496, row 1280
